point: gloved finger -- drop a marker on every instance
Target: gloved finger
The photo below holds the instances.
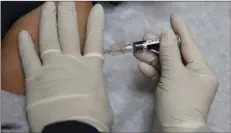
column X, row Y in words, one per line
column 150, row 72
column 48, row 37
column 147, row 70
column 29, row 57
column 190, row 52
column 170, row 57
column 68, row 28
column 95, row 33
column 147, row 56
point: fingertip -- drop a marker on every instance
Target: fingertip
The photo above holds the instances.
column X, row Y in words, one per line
column 98, row 9
column 24, row 38
column 96, row 16
column 98, row 6
column 177, row 23
column 23, row 34
column 175, row 17
column 49, row 6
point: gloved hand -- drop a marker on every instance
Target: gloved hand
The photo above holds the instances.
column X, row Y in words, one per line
column 65, row 85
column 186, row 87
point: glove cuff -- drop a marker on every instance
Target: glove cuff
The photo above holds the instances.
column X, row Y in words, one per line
column 83, row 109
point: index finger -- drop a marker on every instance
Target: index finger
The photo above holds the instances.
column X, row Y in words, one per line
column 189, row 50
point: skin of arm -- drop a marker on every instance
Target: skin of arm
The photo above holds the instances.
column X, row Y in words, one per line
column 12, row 75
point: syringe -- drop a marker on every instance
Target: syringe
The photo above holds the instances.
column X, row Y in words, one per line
column 139, row 46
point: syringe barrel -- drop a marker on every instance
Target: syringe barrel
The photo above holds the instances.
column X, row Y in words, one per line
column 149, row 45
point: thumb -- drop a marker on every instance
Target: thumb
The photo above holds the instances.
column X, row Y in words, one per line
column 170, row 57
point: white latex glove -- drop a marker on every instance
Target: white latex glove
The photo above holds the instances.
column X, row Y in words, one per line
column 150, row 65
column 65, row 85
column 186, row 87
